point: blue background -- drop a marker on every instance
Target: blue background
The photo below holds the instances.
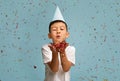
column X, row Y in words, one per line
column 94, row 27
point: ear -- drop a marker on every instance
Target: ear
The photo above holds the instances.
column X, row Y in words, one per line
column 49, row 35
column 67, row 34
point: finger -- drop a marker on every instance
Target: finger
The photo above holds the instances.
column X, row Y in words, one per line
column 49, row 45
column 67, row 44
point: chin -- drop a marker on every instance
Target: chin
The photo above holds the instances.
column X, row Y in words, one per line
column 58, row 41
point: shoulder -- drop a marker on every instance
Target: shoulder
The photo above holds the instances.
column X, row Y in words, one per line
column 45, row 47
column 70, row 47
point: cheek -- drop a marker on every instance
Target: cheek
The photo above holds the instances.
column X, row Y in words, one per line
column 64, row 36
column 51, row 35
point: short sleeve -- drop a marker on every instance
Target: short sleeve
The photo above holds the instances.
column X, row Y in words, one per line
column 46, row 54
column 70, row 52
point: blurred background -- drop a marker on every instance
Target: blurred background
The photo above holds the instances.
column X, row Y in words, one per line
column 94, row 27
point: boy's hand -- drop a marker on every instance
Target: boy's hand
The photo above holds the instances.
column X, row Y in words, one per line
column 52, row 48
column 58, row 47
column 63, row 46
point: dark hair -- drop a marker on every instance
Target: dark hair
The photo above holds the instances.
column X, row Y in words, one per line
column 55, row 21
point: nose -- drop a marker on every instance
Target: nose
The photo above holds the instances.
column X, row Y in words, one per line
column 58, row 31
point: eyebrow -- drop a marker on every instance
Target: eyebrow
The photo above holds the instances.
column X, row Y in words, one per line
column 58, row 27
column 54, row 27
column 62, row 26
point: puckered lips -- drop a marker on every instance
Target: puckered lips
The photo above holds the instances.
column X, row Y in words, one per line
column 58, row 36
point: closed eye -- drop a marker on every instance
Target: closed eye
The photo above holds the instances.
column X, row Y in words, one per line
column 62, row 28
column 54, row 29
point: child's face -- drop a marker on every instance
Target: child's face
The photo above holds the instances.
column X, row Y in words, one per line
column 58, row 32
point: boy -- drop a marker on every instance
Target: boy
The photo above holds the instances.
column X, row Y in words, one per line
column 58, row 56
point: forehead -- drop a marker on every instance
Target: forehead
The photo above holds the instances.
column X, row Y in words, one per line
column 58, row 24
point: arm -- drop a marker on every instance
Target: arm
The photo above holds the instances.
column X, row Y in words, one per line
column 54, row 64
column 66, row 64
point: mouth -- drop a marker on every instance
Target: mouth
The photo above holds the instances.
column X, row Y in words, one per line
column 58, row 36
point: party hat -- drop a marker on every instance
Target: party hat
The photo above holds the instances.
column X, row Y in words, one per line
column 58, row 15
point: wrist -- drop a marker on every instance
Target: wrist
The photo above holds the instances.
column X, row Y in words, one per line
column 54, row 54
column 63, row 59
column 62, row 55
column 62, row 52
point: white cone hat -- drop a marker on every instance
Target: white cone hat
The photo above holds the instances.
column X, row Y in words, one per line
column 58, row 15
